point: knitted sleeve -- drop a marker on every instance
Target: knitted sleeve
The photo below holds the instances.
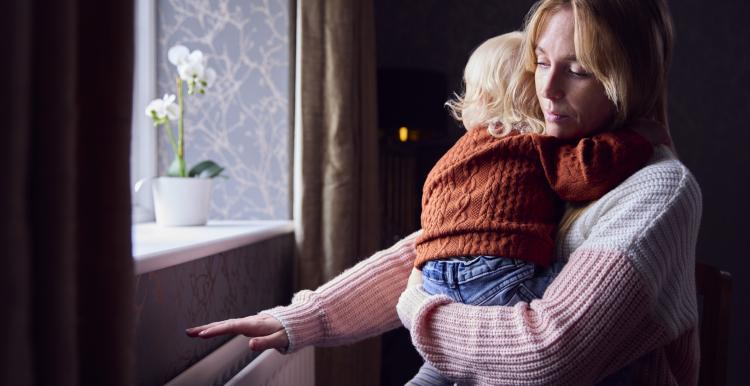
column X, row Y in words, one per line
column 586, row 170
column 626, row 293
column 357, row 304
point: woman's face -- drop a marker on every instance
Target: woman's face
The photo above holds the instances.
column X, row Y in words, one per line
column 573, row 101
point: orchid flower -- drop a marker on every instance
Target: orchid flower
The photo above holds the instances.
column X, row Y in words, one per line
column 192, row 68
column 178, row 54
column 163, row 110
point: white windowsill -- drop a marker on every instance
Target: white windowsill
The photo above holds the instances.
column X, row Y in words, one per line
column 156, row 247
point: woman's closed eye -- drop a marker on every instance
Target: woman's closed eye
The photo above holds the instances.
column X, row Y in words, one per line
column 579, row 72
column 541, row 59
column 573, row 70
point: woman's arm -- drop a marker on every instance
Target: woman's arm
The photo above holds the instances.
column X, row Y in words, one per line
column 560, row 339
column 357, row 304
column 626, row 292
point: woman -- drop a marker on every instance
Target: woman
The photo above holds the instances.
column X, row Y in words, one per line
column 625, row 301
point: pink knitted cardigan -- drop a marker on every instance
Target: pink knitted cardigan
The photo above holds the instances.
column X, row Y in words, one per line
column 626, row 298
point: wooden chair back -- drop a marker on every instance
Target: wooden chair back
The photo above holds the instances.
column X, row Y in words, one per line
column 714, row 289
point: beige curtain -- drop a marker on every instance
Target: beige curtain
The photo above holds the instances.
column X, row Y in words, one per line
column 67, row 270
column 336, row 204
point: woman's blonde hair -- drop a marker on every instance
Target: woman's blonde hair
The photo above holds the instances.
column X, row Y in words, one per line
column 484, row 100
column 625, row 44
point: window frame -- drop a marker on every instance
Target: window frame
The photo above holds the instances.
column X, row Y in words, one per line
column 143, row 146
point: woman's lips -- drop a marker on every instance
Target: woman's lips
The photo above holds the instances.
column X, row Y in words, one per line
column 554, row 117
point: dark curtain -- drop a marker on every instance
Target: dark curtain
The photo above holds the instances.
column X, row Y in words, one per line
column 67, row 270
column 336, row 195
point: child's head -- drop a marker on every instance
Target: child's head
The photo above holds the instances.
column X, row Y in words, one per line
column 486, row 77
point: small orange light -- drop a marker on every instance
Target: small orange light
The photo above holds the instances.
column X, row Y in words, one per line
column 403, row 134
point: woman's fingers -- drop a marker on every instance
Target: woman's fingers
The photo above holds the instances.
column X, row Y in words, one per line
column 194, row 331
column 265, row 331
column 277, row 340
column 229, row 326
column 251, row 326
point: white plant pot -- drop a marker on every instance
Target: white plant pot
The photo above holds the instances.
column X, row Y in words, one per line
column 181, row 201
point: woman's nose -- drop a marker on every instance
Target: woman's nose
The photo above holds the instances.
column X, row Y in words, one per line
column 551, row 85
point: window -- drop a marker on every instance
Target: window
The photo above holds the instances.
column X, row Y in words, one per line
column 242, row 120
column 143, row 142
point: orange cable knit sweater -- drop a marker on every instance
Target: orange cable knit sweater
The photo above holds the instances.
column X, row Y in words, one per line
column 504, row 196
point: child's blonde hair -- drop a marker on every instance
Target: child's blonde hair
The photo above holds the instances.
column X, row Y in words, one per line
column 484, row 100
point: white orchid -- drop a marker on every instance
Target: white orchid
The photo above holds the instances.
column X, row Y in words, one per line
column 162, row 110
column 192, row 68
column 209, row 76
column 178, row 54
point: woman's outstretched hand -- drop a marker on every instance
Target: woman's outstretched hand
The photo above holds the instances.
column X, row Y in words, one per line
column 264, row 331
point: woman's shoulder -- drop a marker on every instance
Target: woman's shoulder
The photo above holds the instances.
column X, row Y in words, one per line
column 651, row 221
column 663, row 197
column 662, row 180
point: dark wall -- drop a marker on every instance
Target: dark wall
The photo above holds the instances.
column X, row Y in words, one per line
column 439, row 35
column 709, row 107
column 710, row 82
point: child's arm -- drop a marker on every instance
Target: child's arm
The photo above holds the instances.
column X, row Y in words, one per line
column 586, row 170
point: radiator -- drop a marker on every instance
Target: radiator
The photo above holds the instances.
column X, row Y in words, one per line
column 224, row 366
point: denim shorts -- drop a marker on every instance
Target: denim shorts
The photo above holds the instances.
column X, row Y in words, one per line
column 487, row 280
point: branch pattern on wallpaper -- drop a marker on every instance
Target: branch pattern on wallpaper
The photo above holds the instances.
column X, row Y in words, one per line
column 244, row 124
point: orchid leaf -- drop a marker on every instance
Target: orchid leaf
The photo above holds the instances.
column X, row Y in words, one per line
column 206, row 169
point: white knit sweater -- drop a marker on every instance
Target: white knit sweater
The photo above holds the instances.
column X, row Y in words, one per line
column 626, row 297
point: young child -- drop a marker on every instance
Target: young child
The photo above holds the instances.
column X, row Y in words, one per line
column 491, row 204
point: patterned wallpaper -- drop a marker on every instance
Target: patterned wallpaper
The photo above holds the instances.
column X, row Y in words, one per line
column 241, row 122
